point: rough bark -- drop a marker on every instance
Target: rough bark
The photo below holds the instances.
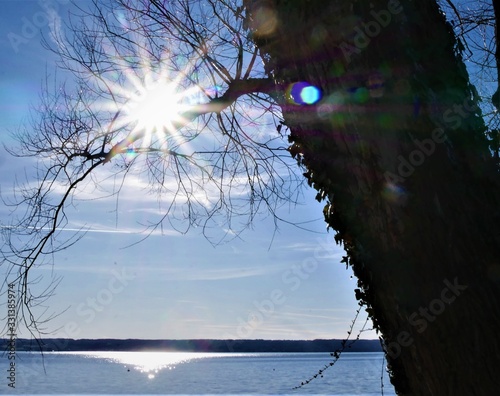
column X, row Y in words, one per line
column 396, row 148
column 496, row 10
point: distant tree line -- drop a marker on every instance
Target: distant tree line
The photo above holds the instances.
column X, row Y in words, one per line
column 199, row 345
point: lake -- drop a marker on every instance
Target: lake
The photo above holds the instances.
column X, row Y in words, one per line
column 194, row 373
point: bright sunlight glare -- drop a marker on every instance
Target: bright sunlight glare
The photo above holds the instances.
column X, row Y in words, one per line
column 154, row 102
column 156, row 108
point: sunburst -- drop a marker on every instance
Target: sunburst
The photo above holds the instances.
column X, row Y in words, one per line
column 153, row 107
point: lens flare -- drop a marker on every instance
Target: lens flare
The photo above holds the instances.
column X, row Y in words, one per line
column 393, row 192
column 302, row 93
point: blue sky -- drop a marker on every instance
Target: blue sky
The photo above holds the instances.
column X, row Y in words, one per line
column 287, row 284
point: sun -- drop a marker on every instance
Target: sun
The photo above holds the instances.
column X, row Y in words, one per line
column 156, row 107
column 151, row 106
column 156, row 110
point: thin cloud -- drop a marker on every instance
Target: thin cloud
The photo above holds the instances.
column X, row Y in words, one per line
column 212, row 274
column 174, row 274
column 84, row 230
column 127, row 230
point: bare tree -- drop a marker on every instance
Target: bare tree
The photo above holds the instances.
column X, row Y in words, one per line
column 380, row 111
column 476, row 28
column 173, row 93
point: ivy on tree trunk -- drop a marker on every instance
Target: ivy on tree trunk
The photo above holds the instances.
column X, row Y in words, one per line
column 396, row 148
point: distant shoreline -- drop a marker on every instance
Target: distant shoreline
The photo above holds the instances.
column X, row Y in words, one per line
column 191, row 345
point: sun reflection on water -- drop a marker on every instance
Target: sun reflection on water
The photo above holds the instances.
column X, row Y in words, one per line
column 150, row 363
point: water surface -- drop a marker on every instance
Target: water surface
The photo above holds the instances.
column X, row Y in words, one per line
column 196, row 373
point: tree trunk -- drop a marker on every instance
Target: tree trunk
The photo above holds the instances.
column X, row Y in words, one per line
column 396, row 147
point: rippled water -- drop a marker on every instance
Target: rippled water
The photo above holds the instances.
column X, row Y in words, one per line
column 195, row 373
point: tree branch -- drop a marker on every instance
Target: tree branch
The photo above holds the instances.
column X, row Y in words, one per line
column 236, row 89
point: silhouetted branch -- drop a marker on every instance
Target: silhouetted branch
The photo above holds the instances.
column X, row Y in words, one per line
column 209, row 165
column 345, row 344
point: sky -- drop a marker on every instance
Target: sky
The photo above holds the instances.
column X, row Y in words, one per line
column 270, row 284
